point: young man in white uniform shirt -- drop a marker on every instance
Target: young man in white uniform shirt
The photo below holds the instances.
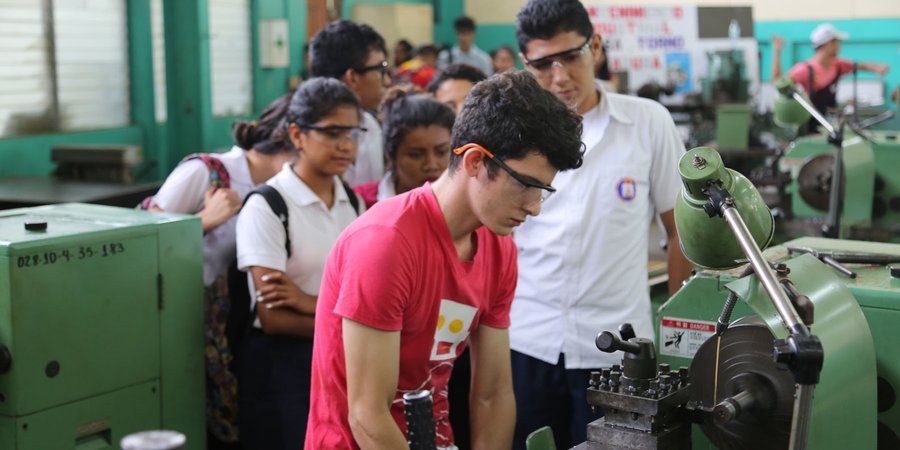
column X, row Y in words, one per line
column 355, row 54
column 583, row 261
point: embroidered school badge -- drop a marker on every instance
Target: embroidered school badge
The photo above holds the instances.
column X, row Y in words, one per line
column 627, row 189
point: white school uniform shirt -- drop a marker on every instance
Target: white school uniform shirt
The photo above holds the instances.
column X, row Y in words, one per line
column 583, row 260
column 313, row 229
column 369, row 165
column 183, row 192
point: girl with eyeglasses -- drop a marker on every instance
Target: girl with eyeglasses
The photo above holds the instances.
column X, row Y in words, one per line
column 416, row 143
column 323, row 123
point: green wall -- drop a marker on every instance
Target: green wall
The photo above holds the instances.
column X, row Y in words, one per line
column 871, row 40
column 31, row 155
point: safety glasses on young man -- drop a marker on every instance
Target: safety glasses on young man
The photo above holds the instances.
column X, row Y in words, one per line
column 566, row 59
column 525, row 181
column 334, row 134
column 381, row 67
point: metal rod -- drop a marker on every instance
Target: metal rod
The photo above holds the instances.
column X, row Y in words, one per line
column 801, row 417
column 813, row 112
column 733, row 407
column 804, row 394
column 837, row 266
column 875, row 120
column 762, row 269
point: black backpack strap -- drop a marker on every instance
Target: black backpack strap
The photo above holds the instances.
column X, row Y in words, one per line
column 276, row 203
column 812, row 84
column 354, row 200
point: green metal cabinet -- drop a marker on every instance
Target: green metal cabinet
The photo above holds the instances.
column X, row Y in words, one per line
column 102, row 315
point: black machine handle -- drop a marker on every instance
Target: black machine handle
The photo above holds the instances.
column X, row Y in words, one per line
column 626, row 331
column 419, row 420
column 608, row 342
column 640, row 355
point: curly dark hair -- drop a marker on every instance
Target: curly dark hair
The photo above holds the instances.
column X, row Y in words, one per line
column 265, row 135
column 317, row 98
column 342, row 45
column 404, row 110
column 456, row 71
column 511, row 115
column 543, row 19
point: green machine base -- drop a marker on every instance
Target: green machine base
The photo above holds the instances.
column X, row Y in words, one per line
column 855, row 404
column 101, row 326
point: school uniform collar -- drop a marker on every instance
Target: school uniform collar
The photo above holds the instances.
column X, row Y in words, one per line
column 611, row 105
column 299, row 192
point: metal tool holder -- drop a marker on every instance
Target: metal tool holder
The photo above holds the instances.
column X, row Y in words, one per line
column 643, row 403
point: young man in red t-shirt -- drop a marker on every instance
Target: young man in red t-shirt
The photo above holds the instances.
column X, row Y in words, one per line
column 422, row 275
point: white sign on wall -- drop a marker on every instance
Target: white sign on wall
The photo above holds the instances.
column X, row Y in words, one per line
column 661, row 44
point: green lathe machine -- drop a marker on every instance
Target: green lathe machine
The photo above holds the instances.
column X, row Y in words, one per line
column 864, row 202
column 856, row 318
column 792, row 348
column 871, row 185
column 101, row 328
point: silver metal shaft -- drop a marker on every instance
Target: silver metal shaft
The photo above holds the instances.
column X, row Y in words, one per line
column 804, row 394
column 802, row 416
column 763, row 271
column 814, row 112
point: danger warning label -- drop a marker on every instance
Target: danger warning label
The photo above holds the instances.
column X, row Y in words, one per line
column 683, row 337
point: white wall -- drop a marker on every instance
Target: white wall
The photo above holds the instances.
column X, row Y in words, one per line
column 504, row 11
column 395, row 21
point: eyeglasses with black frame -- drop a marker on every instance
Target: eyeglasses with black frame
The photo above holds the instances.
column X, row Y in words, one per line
column 527, row 182
column 335, row 134
column 565, row 58
column 382, row 67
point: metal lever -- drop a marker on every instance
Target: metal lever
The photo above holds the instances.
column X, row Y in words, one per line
column 608, row 342
column 640, row 354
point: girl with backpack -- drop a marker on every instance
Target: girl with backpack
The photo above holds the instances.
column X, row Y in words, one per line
column 213, row 186
column 284, row 254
